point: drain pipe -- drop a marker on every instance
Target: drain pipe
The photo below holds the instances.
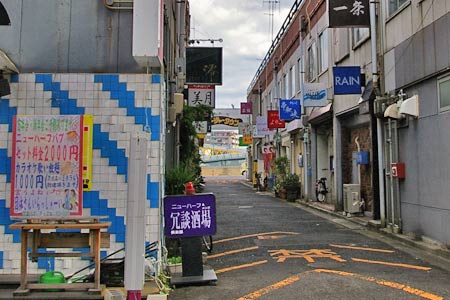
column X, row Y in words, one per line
column 373, row 34
column 359, row 165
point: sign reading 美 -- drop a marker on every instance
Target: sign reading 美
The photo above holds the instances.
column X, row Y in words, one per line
column 46, row 166
column 190, row 215
column 199, row 94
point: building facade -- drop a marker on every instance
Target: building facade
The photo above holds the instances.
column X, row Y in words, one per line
column 361, row 140
column 82, row 58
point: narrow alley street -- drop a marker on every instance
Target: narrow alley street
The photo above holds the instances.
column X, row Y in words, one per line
column 267, row 248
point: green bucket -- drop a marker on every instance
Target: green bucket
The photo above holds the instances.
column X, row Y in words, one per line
column 51, row 278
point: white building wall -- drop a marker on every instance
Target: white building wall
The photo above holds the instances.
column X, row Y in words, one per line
column 122, row 104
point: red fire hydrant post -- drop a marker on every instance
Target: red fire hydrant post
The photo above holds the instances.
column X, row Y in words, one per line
column 189, row 188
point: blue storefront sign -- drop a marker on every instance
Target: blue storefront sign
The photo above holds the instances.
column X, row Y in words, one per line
column 190, row 215
column 347, row 80
column 290, row 109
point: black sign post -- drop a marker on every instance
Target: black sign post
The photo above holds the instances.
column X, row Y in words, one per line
column 348, row 13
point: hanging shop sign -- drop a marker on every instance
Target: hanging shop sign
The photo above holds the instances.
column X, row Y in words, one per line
column 273, row 119
column 348, row 13
column 347, row 80
column 201, row 127
column 262, row 129
column 217, row 120
column 199, row 94
column 204, row 65
column 290, row 109
column 246, row 108
column 47, row 166
column 314, row 95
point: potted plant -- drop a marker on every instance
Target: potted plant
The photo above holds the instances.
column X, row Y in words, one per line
column 292, row 186
column 174, row 264
column 281, row 170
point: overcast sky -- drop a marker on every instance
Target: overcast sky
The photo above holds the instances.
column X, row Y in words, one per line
column 244, row 26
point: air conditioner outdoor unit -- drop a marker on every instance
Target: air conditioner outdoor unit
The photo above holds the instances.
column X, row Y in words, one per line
column 171, row 114
column 352, row 198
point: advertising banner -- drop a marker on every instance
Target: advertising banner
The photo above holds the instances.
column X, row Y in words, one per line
column 47, row 166
column 190, row 215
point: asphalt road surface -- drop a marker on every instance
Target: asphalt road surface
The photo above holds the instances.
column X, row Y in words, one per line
column 267, row 248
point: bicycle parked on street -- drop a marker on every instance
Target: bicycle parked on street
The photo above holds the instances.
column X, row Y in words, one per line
column 321, row 189
column 207, row 242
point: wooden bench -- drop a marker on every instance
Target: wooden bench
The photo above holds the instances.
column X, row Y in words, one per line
column 32, row 236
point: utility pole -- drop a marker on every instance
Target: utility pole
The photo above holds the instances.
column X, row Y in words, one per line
column 272, row 4
column 376, row 87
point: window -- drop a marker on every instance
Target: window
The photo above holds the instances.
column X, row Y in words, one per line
column 360, row 34
column 394, row 5
column 292, row 82
column 285, row 87
column 341, row 44
column 444, row 93
column 312, row 62
column 323, row 51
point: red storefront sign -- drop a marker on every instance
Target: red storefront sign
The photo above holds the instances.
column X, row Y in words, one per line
column 273, row 119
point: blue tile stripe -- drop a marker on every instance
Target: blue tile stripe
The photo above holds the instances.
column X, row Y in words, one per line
column 108, row 148
column 118, row 91
column 99, row 207
column 6, row 113
column 152, row 192
column 5, row 164
column 5, row 221
column 60, row 98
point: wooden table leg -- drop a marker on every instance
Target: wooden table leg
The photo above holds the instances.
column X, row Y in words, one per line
column 95, row 248
column 23, row 264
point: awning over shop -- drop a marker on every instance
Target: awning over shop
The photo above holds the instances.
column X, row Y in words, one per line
column 321, row 115
column 294, row 125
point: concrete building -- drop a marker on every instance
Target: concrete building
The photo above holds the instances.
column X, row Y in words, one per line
column 120, row 63
column 413, row 63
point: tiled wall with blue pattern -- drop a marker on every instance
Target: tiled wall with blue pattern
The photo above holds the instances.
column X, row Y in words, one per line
column 122, row 104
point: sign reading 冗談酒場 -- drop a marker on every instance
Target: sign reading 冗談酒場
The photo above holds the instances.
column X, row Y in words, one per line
column 46, row 169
